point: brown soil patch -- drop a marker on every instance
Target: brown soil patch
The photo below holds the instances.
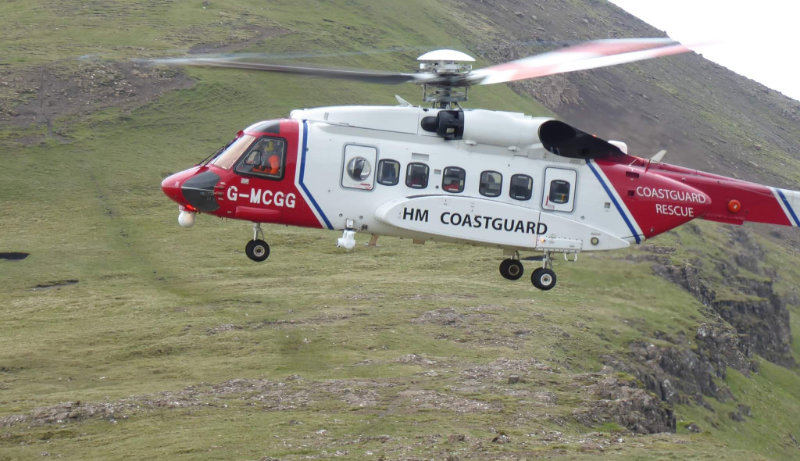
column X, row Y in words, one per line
column 43, row 94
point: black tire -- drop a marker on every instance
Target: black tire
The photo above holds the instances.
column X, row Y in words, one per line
column 511, row 269
column 257, row 250
column 543, row 279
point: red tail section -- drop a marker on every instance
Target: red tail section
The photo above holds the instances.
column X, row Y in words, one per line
column 734, row 201
column 660, row 197
column 656, row 202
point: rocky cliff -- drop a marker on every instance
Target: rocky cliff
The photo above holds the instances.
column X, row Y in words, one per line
column 706, row 117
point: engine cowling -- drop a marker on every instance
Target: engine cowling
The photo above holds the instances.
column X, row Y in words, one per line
column 516, row 130
column 506, row 129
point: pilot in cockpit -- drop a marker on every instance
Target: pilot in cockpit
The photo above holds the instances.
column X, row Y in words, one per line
column 265, row 157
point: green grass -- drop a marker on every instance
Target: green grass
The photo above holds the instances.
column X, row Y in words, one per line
column 769, row 428
column 338, row 340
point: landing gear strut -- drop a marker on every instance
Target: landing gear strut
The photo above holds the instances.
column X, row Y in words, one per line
column 257, row 249
column 544, row 278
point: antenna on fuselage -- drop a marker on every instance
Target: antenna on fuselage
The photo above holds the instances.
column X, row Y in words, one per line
column 658, row 156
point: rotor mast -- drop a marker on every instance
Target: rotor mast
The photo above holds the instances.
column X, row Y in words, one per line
column 451, row 68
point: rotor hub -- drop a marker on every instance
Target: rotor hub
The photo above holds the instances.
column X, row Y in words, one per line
column 445, row 62
column 451, row 67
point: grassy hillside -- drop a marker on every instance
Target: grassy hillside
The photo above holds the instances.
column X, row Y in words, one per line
column 124, row 335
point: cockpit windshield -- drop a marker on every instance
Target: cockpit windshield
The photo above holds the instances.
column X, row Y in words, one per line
column 229, row 156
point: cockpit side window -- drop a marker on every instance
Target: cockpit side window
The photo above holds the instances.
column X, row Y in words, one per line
column 264, row 158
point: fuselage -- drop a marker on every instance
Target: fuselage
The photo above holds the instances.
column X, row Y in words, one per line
column 497, row 179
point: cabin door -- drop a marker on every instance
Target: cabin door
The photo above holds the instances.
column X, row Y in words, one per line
column 559, row 190
column 358, row 167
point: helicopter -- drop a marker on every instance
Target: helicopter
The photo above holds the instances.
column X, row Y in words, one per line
column 507, row 180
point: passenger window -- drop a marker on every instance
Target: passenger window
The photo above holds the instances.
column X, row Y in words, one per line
column 453, row 179
column 265, row 158
column 388, row 172
column 491, row 183
column 521, row 187
column 559, row 191
column 417, row 175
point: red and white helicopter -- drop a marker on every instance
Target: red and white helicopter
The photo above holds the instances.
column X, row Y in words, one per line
column 500, row 179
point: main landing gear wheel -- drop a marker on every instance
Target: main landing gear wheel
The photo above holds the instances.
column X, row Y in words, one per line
column 511, row 269
column 257, row 250
column 543, row 279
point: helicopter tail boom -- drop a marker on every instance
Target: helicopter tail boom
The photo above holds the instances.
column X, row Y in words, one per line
column 734, row 201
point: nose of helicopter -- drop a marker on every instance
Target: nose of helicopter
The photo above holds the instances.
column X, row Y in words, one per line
column 171, row 185
column 193, row 187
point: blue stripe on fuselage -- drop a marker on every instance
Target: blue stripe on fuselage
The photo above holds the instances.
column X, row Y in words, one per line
column 302, row 176
column 614, row 201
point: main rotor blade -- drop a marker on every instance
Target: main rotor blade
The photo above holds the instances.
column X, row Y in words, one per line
column 589, row 55
column 346, row 74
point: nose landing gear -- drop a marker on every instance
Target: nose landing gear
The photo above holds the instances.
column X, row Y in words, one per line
column 257, row 249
